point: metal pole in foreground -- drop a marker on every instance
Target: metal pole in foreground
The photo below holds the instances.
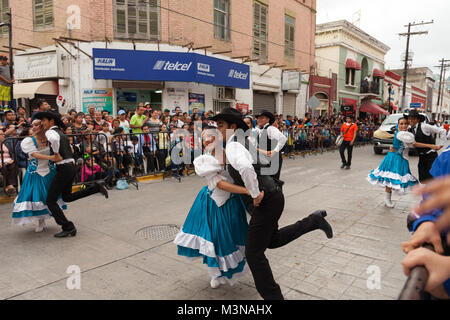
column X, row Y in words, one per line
column 415, row 284
column 11, row 62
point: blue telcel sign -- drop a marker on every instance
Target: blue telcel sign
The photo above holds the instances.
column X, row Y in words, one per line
column 169, row 66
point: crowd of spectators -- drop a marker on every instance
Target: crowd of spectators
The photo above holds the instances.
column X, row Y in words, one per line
column 140, row 142
column 319, row 133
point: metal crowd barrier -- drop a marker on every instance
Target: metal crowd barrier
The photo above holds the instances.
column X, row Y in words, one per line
column 415, row 284
column 108, row 158
column 317, row 140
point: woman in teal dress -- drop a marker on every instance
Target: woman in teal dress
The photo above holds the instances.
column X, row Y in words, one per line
column 216, row 226
column 394, row 172
column 30, row 204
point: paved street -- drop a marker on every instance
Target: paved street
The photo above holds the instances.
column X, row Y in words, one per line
column 118, row 264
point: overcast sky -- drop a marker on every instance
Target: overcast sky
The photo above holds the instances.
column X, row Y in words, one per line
column 385, row 19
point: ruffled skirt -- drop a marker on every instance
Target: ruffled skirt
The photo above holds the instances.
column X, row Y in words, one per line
column 217, row 235
column 394, row 173
column 30, row 204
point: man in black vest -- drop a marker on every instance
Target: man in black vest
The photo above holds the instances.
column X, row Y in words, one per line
column 265, row 205
column 424, row 133
column 65, row 172
column 270, row 140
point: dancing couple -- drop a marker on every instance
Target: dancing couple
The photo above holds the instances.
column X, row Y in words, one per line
column 216, row 227
column 47, row 184
column 394, row 173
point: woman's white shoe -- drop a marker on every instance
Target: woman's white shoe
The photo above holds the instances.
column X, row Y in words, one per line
column 215, row 283
column 40, row 226
column 387, row 200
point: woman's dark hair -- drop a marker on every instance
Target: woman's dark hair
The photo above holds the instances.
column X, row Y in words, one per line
column 402, row 118
column 25, row 132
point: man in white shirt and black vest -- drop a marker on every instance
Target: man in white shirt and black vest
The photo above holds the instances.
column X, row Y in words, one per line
column 270, row 140
column 265, row 205
column 65, row 172
column 428, row 134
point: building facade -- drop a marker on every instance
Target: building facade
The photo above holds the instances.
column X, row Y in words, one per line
column 275, row 39
column 353, row 55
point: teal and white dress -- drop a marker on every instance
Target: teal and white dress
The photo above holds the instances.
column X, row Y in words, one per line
column 30, row 204
column 394, row 171
column 216, row 226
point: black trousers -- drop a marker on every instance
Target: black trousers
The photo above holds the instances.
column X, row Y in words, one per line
column 62, row 184
column 263, row 234
column 346, row 145
column 150, row 161
column 162, row 155
column 425, row 163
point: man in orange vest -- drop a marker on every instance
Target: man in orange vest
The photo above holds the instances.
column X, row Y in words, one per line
column 348, row 130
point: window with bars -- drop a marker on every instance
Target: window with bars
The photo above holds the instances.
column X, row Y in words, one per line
column 222, row 19
column 4, row 10
column 260, row 31
column 289, row 36
column 43, row 14
column 137, row 19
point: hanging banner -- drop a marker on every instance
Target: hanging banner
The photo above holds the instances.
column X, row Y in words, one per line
column 101, row 99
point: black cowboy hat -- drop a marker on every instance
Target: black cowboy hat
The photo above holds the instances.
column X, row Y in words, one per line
column 49, row 115
column 231, row 116
column 267, row 114
column 414, row 114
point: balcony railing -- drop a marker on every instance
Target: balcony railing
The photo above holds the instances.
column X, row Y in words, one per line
column 372, row 88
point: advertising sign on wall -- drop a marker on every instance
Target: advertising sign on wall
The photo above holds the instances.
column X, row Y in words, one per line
column 176, row 97
column 242, row 107
column 196, row 101
column 140, row 65
column 36, row 66
column 101, row 99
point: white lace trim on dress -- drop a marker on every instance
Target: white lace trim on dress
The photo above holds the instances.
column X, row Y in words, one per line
column 33, row 206
column 394, row 176
column 206, row 248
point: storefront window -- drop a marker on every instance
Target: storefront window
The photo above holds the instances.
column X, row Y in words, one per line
column 222, row 19
column 128, row 99
column 137, row 19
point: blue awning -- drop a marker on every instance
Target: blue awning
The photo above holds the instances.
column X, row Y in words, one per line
column 140, row 65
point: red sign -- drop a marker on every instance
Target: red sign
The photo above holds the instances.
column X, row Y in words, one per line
column 242, row 107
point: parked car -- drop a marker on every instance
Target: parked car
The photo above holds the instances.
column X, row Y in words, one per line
column 383, row 138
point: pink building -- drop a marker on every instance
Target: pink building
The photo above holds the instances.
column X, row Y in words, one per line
column 271, row 36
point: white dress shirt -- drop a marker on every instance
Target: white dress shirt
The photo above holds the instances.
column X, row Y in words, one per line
column 441, row 133
column 241, row 160
column 54, row 138
column 274, row 134
column 208, row 167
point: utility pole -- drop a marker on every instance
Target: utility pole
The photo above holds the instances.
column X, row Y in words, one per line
column 11, row 69
column 405, row 70
column 443, row 67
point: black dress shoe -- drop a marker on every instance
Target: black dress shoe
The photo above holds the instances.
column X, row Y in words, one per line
column 102, row 189
column 347, row 167
column 322, row 223
column 69, row 233
column 343, row 166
